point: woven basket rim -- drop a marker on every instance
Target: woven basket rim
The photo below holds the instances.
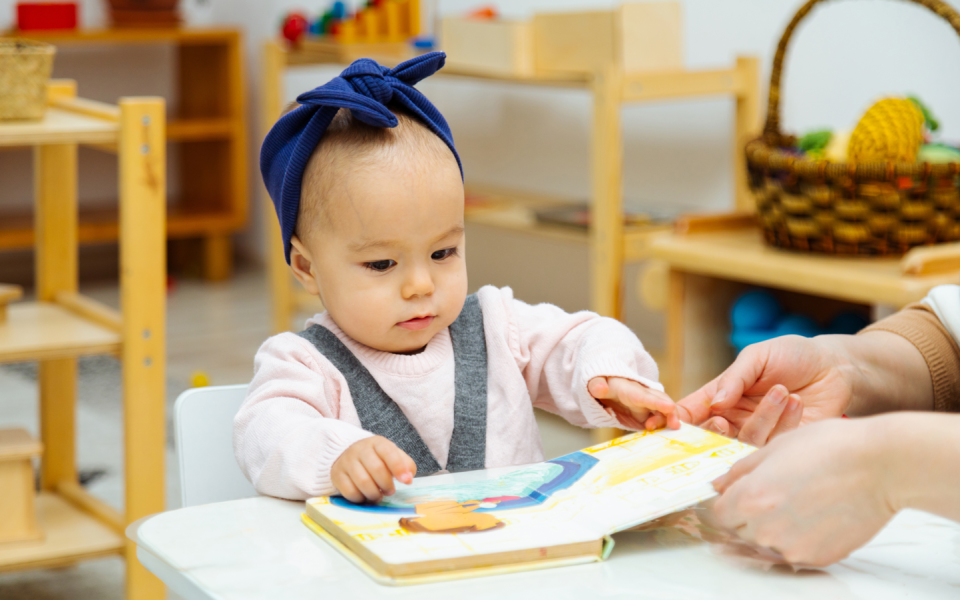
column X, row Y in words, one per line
column 831, row 169
column 25, row 46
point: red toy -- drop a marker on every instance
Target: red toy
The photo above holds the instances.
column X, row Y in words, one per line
column 37, row 16
column 294, row 27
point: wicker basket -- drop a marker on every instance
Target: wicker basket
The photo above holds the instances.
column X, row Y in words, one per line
column 25, row 67
column 869, row 208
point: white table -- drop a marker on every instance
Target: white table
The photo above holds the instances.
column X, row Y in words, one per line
column 258, row 548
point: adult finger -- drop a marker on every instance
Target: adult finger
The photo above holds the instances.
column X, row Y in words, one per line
column 378, row 471
column 792, row 415
column 400, row 465
column 695, row 408
column 760, row 425
column 367, row 486
column 742, row 467
column 721, row 426
column 741, row 375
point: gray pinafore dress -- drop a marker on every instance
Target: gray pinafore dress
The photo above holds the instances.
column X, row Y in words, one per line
column 380, row 415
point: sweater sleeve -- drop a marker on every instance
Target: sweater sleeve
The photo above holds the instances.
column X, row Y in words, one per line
column 920, row 325
column 287, row 435
column 559, row 353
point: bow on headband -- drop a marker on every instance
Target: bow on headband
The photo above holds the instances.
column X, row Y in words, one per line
column 366, row 88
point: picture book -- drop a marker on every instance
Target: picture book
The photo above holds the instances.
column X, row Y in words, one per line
column 557, row 512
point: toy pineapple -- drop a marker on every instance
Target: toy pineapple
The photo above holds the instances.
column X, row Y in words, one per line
column 890, row 130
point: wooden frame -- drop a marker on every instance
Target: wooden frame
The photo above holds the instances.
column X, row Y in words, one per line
column 62, row 325
column 712, row 260
column 210, row 128
column 611, row 243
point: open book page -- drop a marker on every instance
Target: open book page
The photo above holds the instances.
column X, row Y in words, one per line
column 571, row 500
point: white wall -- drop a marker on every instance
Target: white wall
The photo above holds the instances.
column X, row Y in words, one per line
column 845, row 56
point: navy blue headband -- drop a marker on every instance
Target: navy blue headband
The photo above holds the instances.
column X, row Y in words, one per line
column 365, row 88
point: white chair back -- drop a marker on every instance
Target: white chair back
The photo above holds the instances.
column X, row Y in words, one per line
column 203, row 422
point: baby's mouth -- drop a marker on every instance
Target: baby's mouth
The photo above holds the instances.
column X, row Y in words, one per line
column 417, row 323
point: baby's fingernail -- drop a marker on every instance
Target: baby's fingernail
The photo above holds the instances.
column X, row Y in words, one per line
column 719, row 397
column 795, row 402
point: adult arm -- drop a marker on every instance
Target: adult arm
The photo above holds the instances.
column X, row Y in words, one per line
column 908, row 361
column 818, row 493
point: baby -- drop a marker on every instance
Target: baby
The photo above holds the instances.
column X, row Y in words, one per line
column 405, row 374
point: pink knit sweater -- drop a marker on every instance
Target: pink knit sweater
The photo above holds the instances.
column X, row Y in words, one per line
column 299, row 417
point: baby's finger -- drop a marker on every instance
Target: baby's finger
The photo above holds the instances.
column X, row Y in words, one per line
column 760, row 425
column 365, row 483
column 378, row 471
column 599, row 389
column 399, row 464
column 655, row 421
column 346, row 488
column 790, row 419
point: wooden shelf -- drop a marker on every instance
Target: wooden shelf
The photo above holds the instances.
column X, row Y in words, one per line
column 100, row 225
column 59, row 127
column 46, row 330
column 194, row 129
column 146, row 35
column 71, row 535
column 210, row 126
column 741, row 255
column 516, row 211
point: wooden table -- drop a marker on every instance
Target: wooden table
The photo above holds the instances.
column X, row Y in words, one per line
column 258, row 548
column 62, row 325
column 712, row 260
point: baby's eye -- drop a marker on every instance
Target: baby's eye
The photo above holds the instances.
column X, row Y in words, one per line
column 380, row 265
column 442, row 254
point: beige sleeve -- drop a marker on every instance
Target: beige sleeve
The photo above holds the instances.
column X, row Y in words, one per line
column 921, row 327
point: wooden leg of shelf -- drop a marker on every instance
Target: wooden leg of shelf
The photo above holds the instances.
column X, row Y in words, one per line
column 55, row 223
column 143, row 300
column 281, row 287
column 673, row 370
column 606, row 229
column 747, row 125
column 217, row 257
column 58, row 388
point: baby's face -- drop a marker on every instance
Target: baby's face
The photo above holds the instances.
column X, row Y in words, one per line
column 387, row 258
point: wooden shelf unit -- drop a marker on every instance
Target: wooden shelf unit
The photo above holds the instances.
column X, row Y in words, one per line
column 715, row 259
column 611, row 243
column 62, row 325
column 210, row 128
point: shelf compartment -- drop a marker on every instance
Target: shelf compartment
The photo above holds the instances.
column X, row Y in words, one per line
column 100, row 225
column 46, row 330
column 70, row 535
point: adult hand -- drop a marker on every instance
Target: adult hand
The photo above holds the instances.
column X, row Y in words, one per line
column 773, row 387
column 815, row 494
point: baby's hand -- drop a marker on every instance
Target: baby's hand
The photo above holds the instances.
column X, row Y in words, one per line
column 366, row 470
column 636, row 405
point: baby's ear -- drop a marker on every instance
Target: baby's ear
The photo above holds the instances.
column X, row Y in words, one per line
column 301, row 263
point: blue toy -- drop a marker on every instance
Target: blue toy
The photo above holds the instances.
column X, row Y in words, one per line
column 757, row 316
column 755, row 310
column 797, row 325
